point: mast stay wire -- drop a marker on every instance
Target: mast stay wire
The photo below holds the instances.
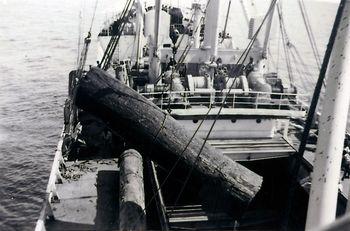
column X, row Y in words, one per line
column 243, row 56
column 181, row 59
column 87, row 42
column 270, row 59
column 278, row 51
column 182, row 56
column 85, row 49
column 289, row 47
column 222, row 104
column 106, row 58
column 93, row 16
column 310, row 33
column 79, row 75
column 312, row 40
column 79, row 34
column 285, row 42
column 162, row 126
column 295, row 166
column 183, row 35
column 305, row 73
column 305, row 81
column 226, row 20
column 109, row 53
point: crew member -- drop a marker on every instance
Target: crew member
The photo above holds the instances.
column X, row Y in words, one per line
column 250, row 66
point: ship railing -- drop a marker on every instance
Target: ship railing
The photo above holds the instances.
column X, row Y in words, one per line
column 51, row 191
column 235, row 99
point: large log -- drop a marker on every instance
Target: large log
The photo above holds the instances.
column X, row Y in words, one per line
column 132, row 196
column 157, row 134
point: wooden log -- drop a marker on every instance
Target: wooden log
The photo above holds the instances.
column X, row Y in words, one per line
column 132, row 196
column 157, row 134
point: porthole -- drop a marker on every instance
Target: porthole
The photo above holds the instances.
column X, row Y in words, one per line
column 195, row 121
column 258, row 121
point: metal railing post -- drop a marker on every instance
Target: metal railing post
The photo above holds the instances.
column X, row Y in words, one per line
column 279, row 103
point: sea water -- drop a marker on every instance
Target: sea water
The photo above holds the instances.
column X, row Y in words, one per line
column 38, row 48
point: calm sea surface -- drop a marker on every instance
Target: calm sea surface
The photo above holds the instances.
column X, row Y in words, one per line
column 38, row 48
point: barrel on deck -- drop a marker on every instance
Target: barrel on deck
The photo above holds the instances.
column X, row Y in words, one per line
column 132, row 195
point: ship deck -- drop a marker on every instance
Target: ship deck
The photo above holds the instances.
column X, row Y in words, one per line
column 254, row 149
column 88, row 196
column 89, row 200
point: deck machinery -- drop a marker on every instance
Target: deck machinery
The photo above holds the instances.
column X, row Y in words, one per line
column 183, row 62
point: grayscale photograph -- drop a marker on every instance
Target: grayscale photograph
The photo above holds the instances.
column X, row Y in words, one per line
column 140, row 115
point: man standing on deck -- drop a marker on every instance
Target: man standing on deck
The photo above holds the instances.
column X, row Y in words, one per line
column 250, row 66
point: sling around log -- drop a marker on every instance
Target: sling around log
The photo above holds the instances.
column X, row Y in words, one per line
column 157, row 134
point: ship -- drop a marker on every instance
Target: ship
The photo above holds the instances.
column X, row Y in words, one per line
column 176, row 128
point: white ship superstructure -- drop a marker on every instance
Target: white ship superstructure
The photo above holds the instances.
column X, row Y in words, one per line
column 183, row 62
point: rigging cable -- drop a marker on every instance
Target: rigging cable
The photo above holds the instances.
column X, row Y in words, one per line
column 87, row 42
column 93, row 16
column 182, row 56
column 295, row 166
column 288, row 50
column 222, row 104
column 278, row 51
column 183, row 35
column 115, row 39
column 78, row 76
column 225, row 27
column 310, row 33
column 305, row 81
column 270, row 59
column 236, row 70
column 186, row 146
column 307, row 76
column 285, row 43
column 79, row 34
column 107, row 55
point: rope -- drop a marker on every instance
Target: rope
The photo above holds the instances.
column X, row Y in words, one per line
column 306, row 73
column 278, row 52
column 270, row 59
column 181, row 39
column 311, row 36
column 117, row 38
column 310, row 33
column 286, row 41
column 87, row 41
column 226, row 20
column 181, row 58
column 161, row 128
column 93, row 16
column 246, row 52
column 112, row 44
column 243, row 56
column 79, row 35
column 202, row 121
column 302, row 76
column 299, row 155
column 80, row 69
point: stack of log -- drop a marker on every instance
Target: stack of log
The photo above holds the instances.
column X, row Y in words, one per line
column 156, row 134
